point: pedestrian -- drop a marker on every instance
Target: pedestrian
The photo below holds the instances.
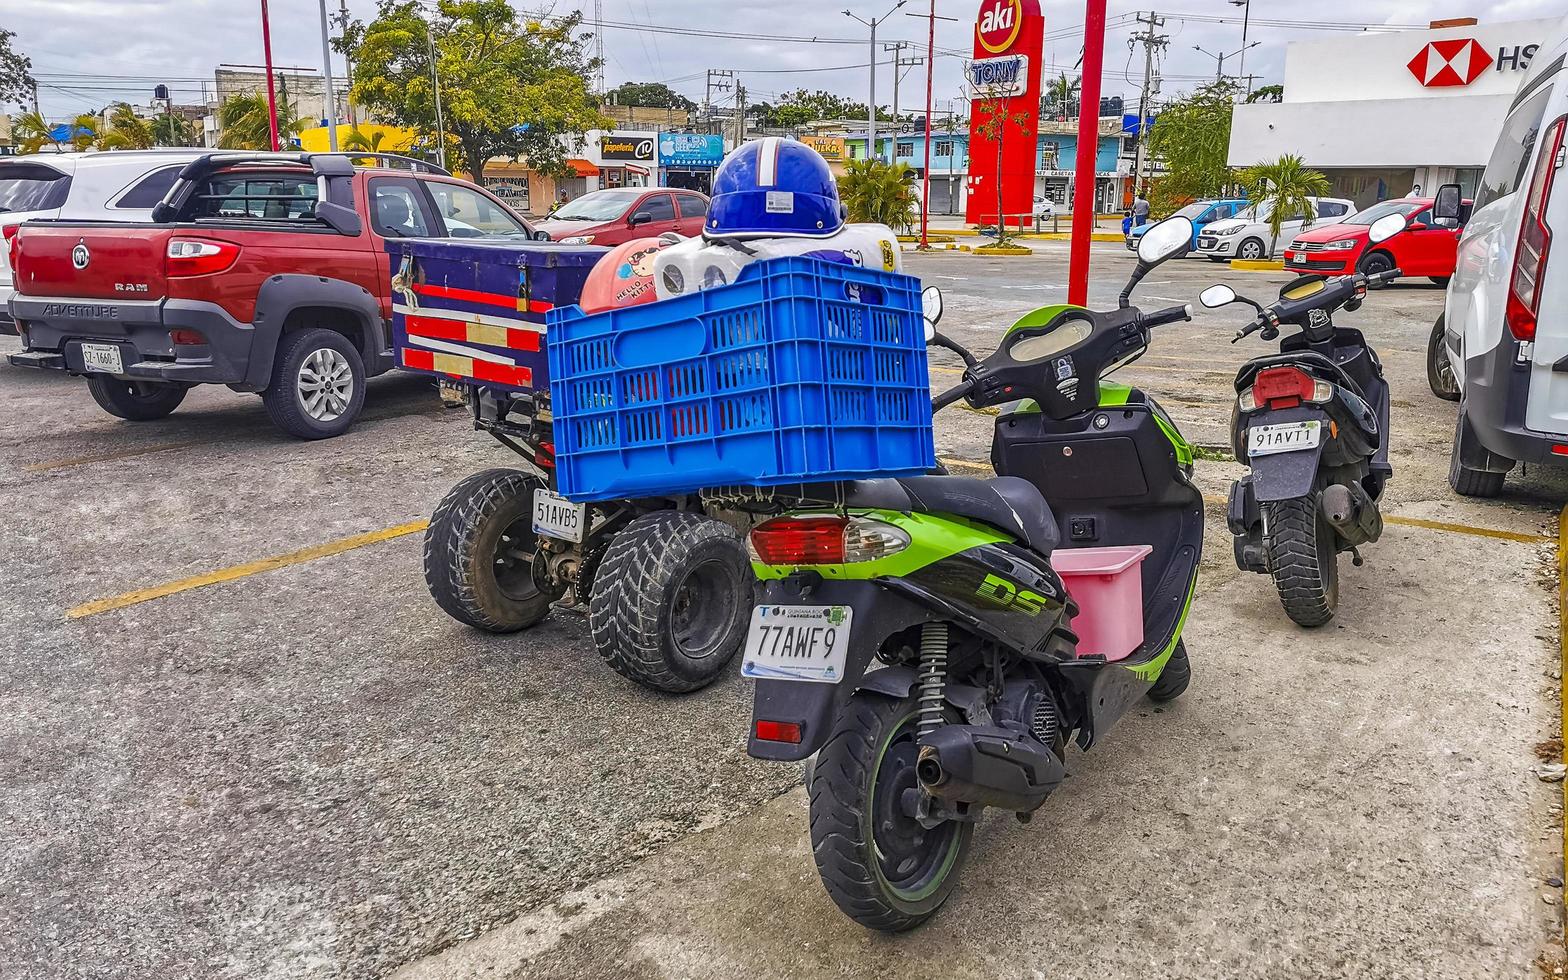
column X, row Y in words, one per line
column 1140, row 210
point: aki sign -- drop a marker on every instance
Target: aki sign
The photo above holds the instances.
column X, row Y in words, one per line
column 1004, row 73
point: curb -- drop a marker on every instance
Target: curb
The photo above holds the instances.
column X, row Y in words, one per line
column 935, row 238
column 1017, row 250
column 1257, row 265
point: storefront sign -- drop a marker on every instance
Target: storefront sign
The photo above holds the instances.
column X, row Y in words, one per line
column 1005, row 71
column 831, row 147
column 1461, row 60
column 690, row 150
column 626, row 146
column 992, row 77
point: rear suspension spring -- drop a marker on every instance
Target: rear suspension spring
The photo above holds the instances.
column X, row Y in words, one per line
column 933, row 677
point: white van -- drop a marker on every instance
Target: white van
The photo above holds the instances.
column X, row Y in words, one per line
column 1246, row 236
column 1506, row 318
column 119, row 185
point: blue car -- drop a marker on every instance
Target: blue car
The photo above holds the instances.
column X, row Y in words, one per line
column 1202, row 213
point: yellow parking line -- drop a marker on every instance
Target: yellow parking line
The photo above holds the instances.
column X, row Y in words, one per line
column 243, row 571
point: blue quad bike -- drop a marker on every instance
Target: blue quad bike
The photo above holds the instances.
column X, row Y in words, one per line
column 915, row 635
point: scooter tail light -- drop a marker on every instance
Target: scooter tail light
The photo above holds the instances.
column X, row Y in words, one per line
column 1535, row 240
column 1284, row 387
column 1322, row 391
column 822, row 539
column 1248, row 401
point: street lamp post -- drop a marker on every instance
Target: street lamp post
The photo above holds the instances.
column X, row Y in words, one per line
column 871, row 113
column 1219, row 72
column 326, row 78
column 435, row 84
column 1246, row 16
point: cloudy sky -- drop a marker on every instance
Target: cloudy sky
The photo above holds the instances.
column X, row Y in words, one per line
column 90, row 52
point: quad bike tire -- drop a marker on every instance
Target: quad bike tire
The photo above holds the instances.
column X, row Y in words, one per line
column 1175, row 677
column 855, row 832
column 479, row 553
column 1439, row 372
column 134, row 401
column 671, row 600
column 1302, row 558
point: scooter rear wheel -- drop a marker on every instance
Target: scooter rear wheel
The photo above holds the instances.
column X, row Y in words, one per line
column 878, row 864
column 1302, row 559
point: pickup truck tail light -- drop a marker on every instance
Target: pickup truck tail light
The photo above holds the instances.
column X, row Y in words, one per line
column 1524, row 284
column 9, row 233
column 198, row 257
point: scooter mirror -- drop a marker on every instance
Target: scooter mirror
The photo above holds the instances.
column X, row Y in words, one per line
column 1217, row 295
column 930, row 331
column 1166, row 240
column 1386, row 227
column 931, row 306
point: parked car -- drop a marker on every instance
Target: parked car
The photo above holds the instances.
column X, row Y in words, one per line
column 1044, row 207
column 123, row 185
column 1426, row 247
column 1506, row 336
column 1202, row 213
column 619, row 214
column 1247, row 235
column 264, row 272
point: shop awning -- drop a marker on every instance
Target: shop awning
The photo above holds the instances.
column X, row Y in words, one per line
column 583, row 168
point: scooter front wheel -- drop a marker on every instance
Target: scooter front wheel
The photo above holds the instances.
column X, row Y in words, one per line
column 1302, row 559
column 879, row 865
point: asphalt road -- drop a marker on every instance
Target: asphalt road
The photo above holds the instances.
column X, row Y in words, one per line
column 312, row 771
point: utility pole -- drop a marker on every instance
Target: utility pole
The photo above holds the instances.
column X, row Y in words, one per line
column 331, row 99
column 435, row 84
column 720, row 80
column 272, row 98
column 740, row 114
column 1088, row 144
column 871, row 109
column 348, row 63
column 899, row 64
column 1152, row 43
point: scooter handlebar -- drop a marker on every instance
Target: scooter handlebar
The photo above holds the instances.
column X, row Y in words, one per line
column 1174, row 314
column 952, row 395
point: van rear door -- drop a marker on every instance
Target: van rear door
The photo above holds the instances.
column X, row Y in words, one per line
column 1537, row 279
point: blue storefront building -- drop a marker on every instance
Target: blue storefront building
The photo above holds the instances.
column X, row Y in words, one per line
column 688, row 160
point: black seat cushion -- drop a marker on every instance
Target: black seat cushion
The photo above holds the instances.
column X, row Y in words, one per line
column 1007, row 503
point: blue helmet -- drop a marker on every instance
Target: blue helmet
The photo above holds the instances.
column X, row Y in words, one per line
column 774, row 187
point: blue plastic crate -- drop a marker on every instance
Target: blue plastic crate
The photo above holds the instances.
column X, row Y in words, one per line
column 800, row 370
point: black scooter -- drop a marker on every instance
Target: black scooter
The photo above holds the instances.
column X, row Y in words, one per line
column 1312, row 422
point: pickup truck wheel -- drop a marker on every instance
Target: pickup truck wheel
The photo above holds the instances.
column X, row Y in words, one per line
column 318, row 385
column 479, row 553
column 136, row 401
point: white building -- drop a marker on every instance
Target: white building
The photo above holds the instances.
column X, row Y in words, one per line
column 1382, row 114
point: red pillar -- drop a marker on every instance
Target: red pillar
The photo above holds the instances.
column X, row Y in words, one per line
column 1088, row 150
column 925, row 190
column 272, row 99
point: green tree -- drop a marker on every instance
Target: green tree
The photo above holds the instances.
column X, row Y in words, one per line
column 880, row 192
column 1192, row 137
column 800, row 107
column 357, row 139
column 244, row 123
column 1060, row 94
column 1268, row 93
column 508, row 89
column 1284, row 187
column 994, row 125
column 32, row 132
column 126, row 131
column 16, row 72
column 655, row 95
column 172, row 130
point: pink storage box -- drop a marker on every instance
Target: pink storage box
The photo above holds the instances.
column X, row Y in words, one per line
column 1108, row 586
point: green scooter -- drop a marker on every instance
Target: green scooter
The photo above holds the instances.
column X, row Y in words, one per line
column 937, row 641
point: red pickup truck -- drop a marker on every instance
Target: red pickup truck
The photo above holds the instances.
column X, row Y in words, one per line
column 264, row 272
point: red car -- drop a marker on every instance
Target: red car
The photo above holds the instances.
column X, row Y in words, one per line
column 619, row 214
column 1425, row 248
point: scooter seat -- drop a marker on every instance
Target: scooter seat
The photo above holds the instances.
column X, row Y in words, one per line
column 1007, row 503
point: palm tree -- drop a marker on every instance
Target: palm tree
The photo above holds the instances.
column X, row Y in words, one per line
column 126, row 131
column 32, row 132
column 168, row 130
column 357, row 139
column 84, row 131
column 879, row 192
column 1285, row 187
column 1061, row 92
column 243, row 121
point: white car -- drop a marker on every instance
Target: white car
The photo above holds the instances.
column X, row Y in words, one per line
column 1044, row 207
column 1247, row 236
column 121, row 185
column 1506, row 336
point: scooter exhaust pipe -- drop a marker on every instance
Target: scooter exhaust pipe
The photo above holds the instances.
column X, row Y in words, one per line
column 988, row 765
column 1352, row 513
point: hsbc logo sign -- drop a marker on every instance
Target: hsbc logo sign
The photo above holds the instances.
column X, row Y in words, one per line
column 1456, row 62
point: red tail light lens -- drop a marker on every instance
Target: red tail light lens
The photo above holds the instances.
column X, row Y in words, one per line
column 1282, row 387
column 1535, row 239
column 800, row 541
column 825, row 539
column 12, row 248
column 198, row 257
column 187, row 338
column 777, row 731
